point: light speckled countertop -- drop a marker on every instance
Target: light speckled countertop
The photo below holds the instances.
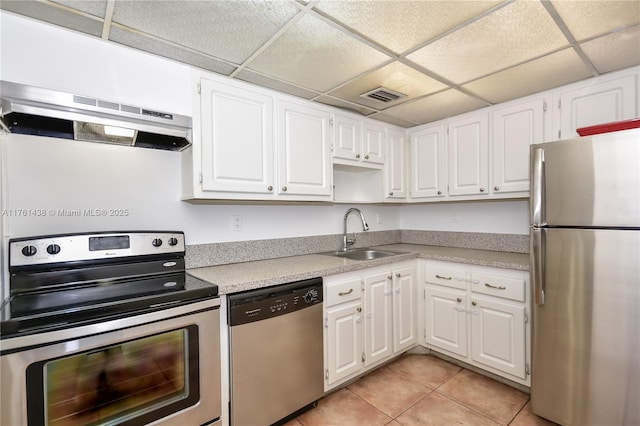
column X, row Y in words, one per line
column 264, row 273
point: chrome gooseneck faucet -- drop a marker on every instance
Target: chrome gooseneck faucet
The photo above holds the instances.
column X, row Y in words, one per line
column 347, row 243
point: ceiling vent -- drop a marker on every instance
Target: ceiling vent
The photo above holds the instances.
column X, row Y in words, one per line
column 382, row 94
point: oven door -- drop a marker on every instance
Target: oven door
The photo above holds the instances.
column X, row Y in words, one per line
column 161, row 368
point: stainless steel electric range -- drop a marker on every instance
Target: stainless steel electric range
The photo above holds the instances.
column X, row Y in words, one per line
column 108, row 328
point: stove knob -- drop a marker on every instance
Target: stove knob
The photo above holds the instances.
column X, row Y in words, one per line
column 157, row 242
column 173, row 241
column 29, row 250
column 53, row 249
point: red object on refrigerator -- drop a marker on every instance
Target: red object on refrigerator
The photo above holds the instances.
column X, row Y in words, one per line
column 609, row 127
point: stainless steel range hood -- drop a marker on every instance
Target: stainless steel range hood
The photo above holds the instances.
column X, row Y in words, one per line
column 44, row 112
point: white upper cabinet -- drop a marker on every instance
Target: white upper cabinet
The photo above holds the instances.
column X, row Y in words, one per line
column 602, row 101
column 468, row 160
column 428, row 178
column 515, row 127
column 395, row 166
column 237, row 134
column 358, row 141
column 347, row 137
column 304, row 140
column 373, row 143
column 251, row 144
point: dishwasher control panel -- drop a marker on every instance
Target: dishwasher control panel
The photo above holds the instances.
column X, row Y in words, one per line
column 257, row 305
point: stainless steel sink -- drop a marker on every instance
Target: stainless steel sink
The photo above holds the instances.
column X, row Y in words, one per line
column 364, row 254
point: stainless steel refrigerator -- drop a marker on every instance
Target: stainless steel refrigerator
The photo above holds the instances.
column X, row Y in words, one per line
column 585, row 274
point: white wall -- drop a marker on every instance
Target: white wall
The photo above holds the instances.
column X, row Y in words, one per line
column 44, row 55
column 60, row 177
column 499, row 217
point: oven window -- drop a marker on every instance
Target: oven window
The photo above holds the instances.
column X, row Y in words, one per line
column 135, row 381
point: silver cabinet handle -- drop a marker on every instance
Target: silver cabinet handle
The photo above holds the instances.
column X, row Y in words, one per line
column 344, row 293
column 443, row 278
column 269, row 188
column 357, row 155
column 366, row 157
column 391, row 194
column 481, row 189
column 359, row 309
column 474, row 303
column 497, row 287
column 459, row 299
column 496, row 188
column 439, row 192
column 284, row 189
column 390, row 277
column 398, row 275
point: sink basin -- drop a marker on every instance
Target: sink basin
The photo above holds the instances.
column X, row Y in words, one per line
column 364, row 254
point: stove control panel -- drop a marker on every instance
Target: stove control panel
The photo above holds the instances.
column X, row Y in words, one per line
column 92, row 246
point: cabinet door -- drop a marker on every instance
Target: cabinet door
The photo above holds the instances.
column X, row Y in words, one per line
column 404, row 308
column 347, row 137
column 600, row 103
column 514, row 129
column 498, row 335
column 304, row 166
column 237, row 139
column 428, row 163
column 468, row 161
column 344, row 341
column 446, row 320
column 373, row 143
column 395, row 166
column 377, row 326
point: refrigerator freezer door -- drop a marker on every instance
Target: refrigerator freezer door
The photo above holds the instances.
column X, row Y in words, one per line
column 592, row 181
column 586, row 340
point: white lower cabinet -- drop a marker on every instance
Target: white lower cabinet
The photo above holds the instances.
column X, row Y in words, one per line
column 370, row 316
column 479, row 315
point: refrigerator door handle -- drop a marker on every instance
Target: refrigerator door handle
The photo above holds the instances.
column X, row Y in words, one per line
column 537, row 265
column 537, row 187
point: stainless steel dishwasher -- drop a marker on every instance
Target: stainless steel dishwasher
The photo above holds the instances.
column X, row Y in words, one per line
column 276, row 352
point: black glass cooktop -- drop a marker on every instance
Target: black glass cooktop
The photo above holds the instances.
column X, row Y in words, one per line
column 90, row 302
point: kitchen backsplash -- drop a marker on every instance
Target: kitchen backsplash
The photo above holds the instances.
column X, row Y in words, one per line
column 200, row 255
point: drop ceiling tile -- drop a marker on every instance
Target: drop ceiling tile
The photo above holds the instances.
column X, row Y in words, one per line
column 420, row 20
column 513, row 34
column 161, row 48
column 314, row 54
column 229, row 30
column 554, row 70
column 395, row 76
column 93, row 7
column 339, row 103
column 281, row 86
column 432, row 108
column 615, row 51
column 587, row 19
column 392, row 120
column 53, row 14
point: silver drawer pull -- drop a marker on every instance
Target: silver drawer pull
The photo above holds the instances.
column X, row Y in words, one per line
column 442, row 278
column 499, row 287
column 344, row 293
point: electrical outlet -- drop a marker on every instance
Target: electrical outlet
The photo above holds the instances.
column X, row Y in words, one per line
column 236, row 222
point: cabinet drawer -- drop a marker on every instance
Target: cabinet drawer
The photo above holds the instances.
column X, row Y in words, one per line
column 344, row 291
column 447, row 275
column 508, row 288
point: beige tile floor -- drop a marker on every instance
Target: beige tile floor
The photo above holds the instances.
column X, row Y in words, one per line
column 422, row 390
